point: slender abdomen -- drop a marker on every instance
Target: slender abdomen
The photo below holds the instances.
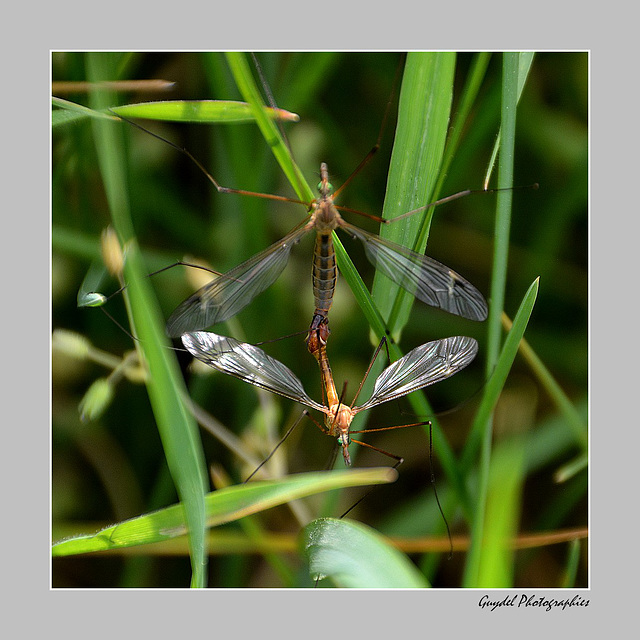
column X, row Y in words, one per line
column 324, row 274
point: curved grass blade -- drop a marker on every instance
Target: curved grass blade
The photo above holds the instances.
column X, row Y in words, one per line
column 225, row 505
column 358, row 557
column 247, row 87
column 499, row 375
column 165, row 385
column 555, row 391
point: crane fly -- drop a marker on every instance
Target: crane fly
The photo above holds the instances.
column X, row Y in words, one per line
column 421, row 367
column 422, row 276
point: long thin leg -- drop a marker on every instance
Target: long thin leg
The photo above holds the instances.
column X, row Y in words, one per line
column 286, row 435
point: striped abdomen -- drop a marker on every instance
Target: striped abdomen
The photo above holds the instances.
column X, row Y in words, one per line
column 324, row 273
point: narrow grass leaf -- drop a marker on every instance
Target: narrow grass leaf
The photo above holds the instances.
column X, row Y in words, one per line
column 573, row 562
column 201, row 111
column 499, row 375
column 481, row 430
column 165, row 385
column 71, row 112
column 499, row 360
column 502, row 515
column 525, row 60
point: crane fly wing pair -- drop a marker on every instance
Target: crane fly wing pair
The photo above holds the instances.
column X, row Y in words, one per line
column 424, row 365
column 423, row 277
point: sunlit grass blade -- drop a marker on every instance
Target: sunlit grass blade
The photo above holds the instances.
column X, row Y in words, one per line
column 177, row 428
column 225, row 505
column 356, row 556
column 504, row 496
column 200, row 111
column 195, row 111
column 423, row 119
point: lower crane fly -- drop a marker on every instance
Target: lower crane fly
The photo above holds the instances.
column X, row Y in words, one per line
column 425, row 365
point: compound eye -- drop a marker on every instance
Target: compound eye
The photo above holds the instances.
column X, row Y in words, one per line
column 329, row 187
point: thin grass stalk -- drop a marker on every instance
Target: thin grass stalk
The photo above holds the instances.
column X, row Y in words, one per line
column 178, row 430
column 498, row 283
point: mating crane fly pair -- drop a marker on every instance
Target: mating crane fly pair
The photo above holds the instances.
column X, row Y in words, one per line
column 422, row 276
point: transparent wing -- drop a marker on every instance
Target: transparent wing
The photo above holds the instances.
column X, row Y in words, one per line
column 247, row 362
column 423, row 277
column 227, row 295
column 424, row 365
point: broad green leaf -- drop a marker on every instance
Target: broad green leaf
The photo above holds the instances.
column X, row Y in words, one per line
column 358, row 557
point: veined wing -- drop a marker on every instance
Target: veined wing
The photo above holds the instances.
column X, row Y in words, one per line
column 228, row 294
column 422, row 276
column 422, row 366
column 247, row 362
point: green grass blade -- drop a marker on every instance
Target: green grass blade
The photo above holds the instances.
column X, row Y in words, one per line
column 246, row 84
column 200, row 111
column 177, row 428
column 525, row 60
column 470, row 92
column 555, row 391
column 504, row 495
column 423, row 119
column 222, row 506
column 356, row 556
column 503, row 209
column 499, row 375
column 71, row 112
column 481, row 431
column 573, row 561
